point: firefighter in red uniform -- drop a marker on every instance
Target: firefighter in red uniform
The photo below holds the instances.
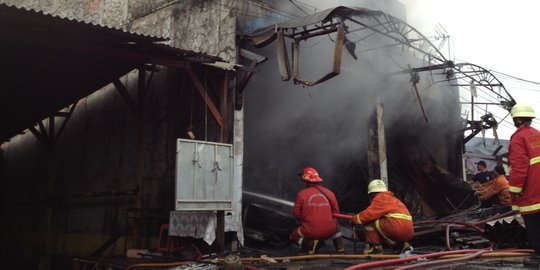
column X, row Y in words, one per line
column 314, row 207
column 386, row 218
column 524, row 159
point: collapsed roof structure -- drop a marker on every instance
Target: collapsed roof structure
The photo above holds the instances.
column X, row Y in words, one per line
column 378, row 59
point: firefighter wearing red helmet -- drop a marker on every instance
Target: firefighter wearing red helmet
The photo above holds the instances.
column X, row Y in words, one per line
column 313, row 208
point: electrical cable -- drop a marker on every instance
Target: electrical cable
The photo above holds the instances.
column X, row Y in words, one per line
column 305, row 12
column 514, row 77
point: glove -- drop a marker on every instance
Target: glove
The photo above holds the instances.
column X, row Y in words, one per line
column 352, row 222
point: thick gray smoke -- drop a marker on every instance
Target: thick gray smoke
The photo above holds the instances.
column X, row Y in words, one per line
column 289, row 127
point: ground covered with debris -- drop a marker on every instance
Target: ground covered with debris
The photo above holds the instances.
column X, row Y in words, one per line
column 491, row 238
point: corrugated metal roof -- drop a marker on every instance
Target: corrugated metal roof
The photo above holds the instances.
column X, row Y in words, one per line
column 49, row 62
column 54, row 18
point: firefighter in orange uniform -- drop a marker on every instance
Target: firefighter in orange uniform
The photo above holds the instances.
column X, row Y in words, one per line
column 524, row 159
column 314, row 207
column 498, row 186
column 386, row 218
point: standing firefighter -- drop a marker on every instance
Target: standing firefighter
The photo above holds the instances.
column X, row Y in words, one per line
column 314, row 207
column 524, row 158
column 385, row 218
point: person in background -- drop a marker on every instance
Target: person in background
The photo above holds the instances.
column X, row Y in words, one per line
column 524, row 159
column 483, row 174
column 385, row 219
column 495, row 191
column 314, row 207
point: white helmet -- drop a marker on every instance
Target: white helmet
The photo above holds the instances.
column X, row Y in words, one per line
column 376, row 185
column 522, row 110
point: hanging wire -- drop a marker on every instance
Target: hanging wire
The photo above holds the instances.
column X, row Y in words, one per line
column 515, row 78
column 297, row 6
column 191, row 107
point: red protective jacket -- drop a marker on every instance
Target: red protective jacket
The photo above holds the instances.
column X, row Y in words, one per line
column 314, row 211
column 524, row 158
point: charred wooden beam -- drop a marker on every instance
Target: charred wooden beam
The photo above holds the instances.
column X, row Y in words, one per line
column 130, row 101
column 283, row 58
column 336, row 66
column 204, row 94
column 49, row 136
column 377, row 146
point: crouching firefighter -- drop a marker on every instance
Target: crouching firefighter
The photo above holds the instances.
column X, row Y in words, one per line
column 313, row 208
column 386, row 219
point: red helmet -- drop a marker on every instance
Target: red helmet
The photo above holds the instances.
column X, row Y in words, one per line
column 311, row 175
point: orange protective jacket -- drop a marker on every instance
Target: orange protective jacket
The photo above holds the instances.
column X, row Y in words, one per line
column 524, row 159
column 498, row 186
column 385, row 206
column 314, row 211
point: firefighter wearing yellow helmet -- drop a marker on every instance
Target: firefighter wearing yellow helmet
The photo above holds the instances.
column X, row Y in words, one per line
column 386, row 220
column 524, row 159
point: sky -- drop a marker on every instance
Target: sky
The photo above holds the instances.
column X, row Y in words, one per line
column 500, row 36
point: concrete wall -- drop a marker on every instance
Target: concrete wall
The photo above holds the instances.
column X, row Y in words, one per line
column 203, row 26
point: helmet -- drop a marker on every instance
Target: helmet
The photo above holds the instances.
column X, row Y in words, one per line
column 522, row 110
column 311, row 175
column 376, row 185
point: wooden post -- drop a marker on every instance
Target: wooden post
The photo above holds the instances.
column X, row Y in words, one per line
column 139, row 154
column 224, row 108
column 377, row 146
column 220, row 231
column 220, row 223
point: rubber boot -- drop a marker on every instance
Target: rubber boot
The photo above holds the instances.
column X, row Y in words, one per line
column 338, row 245
column 406, row 250
column 373, row 249
column 314, row 248
column 310, row 246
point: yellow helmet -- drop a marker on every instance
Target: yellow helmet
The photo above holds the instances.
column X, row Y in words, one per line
column 522, row 110
column 376, row 185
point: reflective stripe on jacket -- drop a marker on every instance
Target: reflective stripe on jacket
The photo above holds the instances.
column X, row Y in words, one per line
column 524, row 159
column 314, row 211
column 383, row 204
column 390, row 217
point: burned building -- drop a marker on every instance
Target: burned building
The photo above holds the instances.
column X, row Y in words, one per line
column 330, row 125
column 97, row 94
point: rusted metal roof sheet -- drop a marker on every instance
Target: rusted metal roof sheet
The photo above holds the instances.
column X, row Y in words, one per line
column 267, row 34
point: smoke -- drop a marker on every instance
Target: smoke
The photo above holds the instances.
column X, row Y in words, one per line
column 289, row 127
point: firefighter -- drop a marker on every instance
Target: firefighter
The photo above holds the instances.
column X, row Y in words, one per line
column 497, row 186
column 313, row 208
column 524, row 159
column 386, row 218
